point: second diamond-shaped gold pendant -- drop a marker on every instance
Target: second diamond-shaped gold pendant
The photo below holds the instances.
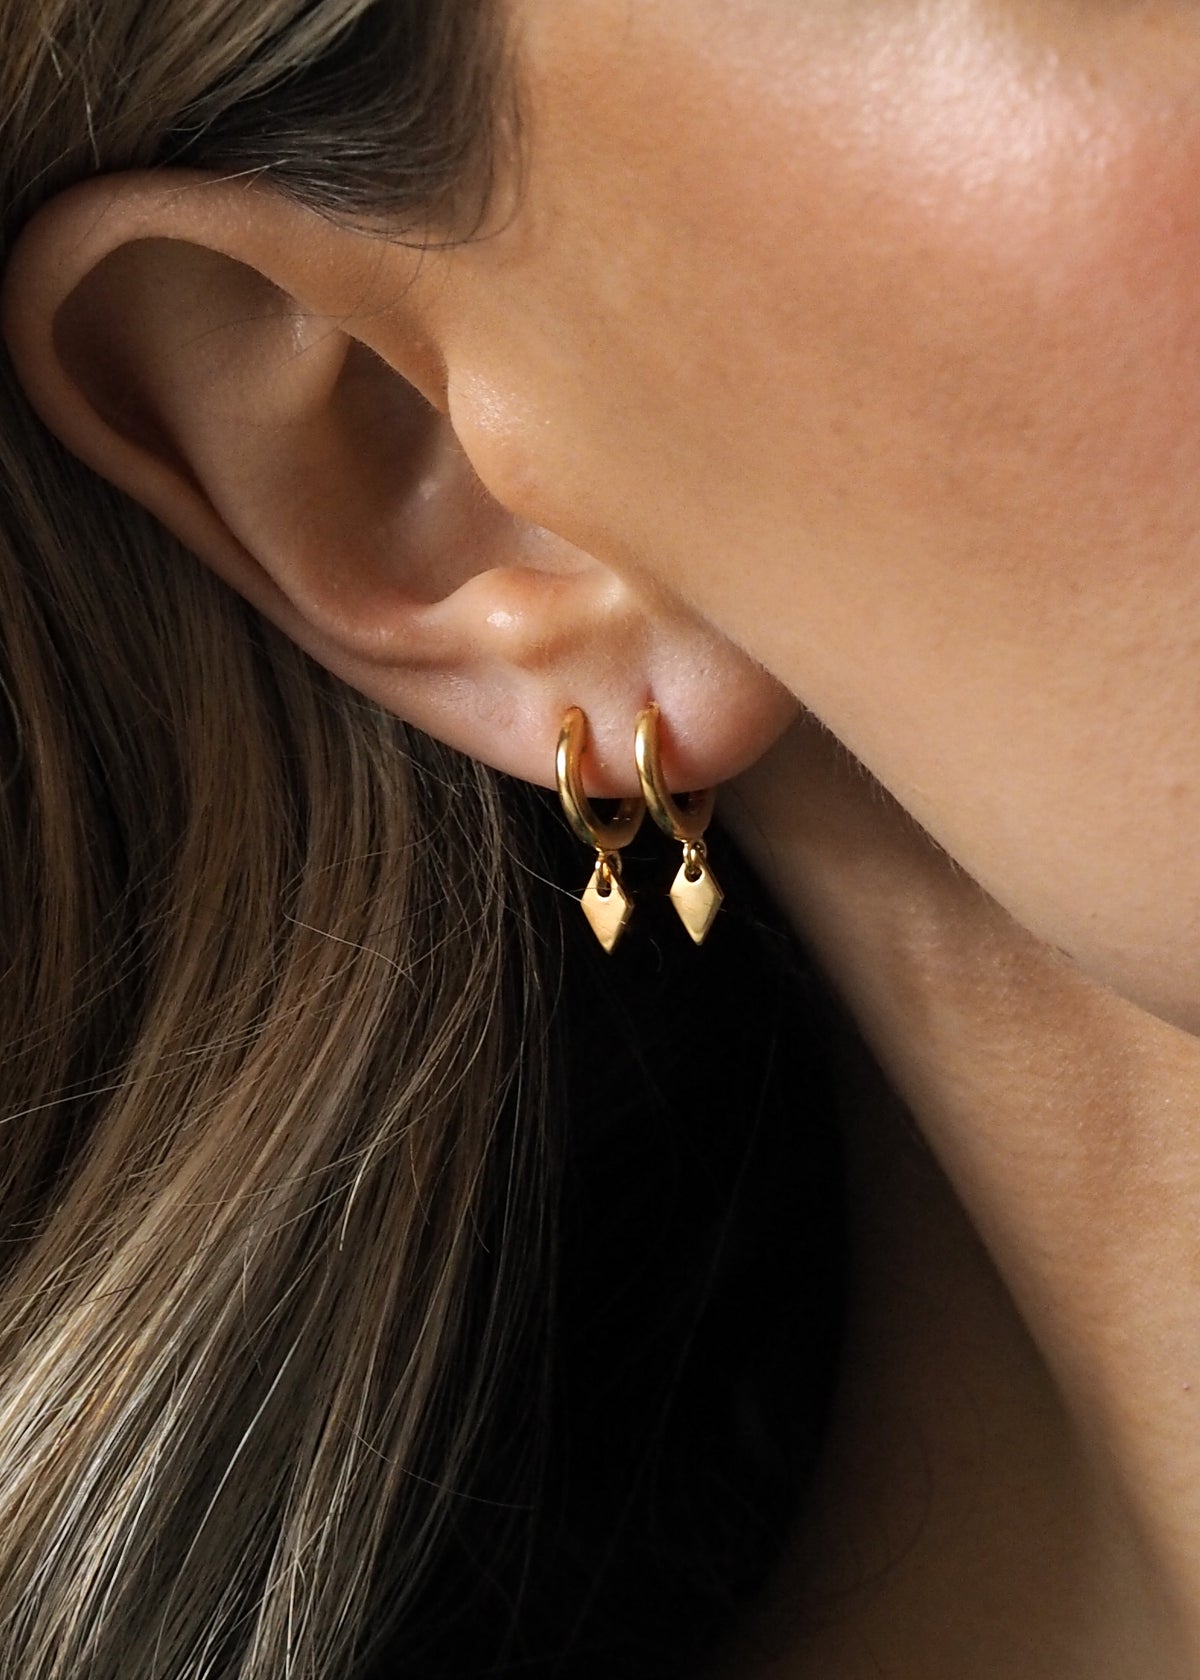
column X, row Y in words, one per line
column 696, row 892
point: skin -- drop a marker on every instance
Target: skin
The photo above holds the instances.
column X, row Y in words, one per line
column 1013, row 1485
column 889, row 230
column 873, row 334
column 842, row 355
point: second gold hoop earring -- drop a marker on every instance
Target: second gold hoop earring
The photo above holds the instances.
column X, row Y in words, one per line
column 605, row 902
column 695, row 892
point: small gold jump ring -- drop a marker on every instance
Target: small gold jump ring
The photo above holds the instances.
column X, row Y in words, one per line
column 604, row 836
column 681, row 822
column 695, row 855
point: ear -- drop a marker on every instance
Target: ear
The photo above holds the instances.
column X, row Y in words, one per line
column 270, row 385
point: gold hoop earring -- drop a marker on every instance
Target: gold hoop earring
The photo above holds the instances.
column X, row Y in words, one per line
column 695, row 892
column 606, row 904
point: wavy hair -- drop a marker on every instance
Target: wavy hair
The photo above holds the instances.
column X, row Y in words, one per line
column 281, row 1174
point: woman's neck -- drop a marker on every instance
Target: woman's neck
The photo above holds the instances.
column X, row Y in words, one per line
column 1013, row 1481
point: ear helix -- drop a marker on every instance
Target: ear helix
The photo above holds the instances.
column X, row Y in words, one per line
column 605, row 902
column 695, row 892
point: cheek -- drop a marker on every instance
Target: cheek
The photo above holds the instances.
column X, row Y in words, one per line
column 994, row 595
column 894, row 262
column 893, row 369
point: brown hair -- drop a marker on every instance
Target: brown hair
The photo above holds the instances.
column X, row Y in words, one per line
column 261, row 1031
column 279, row 1161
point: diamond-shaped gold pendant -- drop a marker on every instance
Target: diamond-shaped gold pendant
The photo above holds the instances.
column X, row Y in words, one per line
column 608, row 912
column 696, row 900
